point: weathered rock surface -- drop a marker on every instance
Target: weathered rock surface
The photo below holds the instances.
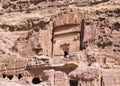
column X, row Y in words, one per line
column 60, row 42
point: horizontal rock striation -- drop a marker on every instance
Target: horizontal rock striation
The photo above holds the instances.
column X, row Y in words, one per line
column 60, row 42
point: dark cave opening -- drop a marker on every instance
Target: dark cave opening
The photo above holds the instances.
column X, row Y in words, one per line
column 10, row 77
column 20, row 76
column 3, row 75
column 65, row 53
column 73, row 83
column 36, row 81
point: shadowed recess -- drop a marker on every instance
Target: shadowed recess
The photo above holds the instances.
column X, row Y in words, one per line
column 36, row 81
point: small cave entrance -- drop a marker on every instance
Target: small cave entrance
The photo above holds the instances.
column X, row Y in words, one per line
column 36, row 80
column 65, row 47
column 73, row 83
column 20, row 76
column 38, row 50
column 4, row 76
column 65, row 53
column 10, row 77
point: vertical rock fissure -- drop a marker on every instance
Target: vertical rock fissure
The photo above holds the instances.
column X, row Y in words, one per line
column 102, row 82
column 82, row 35
column 52, row 40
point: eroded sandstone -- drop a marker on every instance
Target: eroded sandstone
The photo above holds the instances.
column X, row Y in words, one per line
column 59, row 42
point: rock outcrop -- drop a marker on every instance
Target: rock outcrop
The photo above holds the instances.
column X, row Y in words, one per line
column 60, row 42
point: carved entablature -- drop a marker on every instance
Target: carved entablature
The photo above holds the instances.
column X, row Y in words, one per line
column 68, row 18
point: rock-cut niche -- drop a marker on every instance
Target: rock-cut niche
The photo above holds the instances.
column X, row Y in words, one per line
column 73, row 83
column 20, row 76
column 65, row 49
column 36, row 80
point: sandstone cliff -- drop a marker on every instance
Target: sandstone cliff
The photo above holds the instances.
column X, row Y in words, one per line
column 56, row 42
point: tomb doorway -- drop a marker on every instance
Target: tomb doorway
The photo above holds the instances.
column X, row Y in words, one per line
column 73, row 83
column 65, row 48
